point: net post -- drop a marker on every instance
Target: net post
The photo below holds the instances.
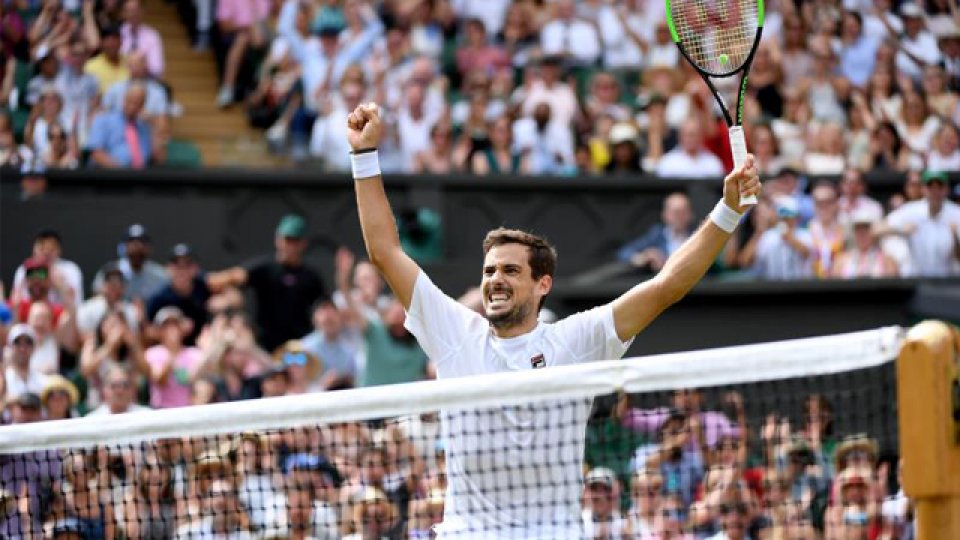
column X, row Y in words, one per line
column 928, row 400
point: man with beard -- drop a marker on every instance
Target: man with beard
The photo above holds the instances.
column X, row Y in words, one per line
column 516, row 471
column 144, row 276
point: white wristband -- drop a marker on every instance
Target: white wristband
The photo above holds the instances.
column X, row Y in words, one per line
column 725, row 217
column 365, row 165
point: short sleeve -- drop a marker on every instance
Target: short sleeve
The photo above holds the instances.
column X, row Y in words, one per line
column 97, row 138
column 592, row 335
column 439, row 322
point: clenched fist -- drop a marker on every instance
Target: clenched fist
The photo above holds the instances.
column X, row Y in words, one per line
column 363, row 127
column 742, row 182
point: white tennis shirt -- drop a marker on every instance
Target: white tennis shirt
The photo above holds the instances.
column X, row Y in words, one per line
column 512, row 472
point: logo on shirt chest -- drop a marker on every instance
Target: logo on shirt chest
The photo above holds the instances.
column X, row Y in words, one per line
column 538, row 362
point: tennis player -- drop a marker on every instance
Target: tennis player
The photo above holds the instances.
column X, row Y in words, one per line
column 516, row 472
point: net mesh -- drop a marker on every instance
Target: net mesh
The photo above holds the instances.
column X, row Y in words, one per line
column 717, row 35
column 793, row 438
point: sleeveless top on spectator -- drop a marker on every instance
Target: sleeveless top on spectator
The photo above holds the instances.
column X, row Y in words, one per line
column 494, row 163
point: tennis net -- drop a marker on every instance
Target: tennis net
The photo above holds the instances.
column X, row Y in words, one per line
column 798, row 437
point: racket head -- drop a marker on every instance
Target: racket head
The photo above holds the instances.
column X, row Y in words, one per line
column 717, row 36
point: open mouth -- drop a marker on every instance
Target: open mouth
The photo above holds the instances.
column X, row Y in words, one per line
column 498, row 299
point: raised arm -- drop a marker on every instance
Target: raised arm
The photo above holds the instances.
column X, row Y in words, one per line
column 639, row 306
column 376, row 218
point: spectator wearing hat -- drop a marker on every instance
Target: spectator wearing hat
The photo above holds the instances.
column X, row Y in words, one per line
column 59, row 398
column 284, row 286
column 864, row 258
column 108, row 67
column 854, row 511
column 19, row 377
column 119, row 391
column 274, row 381
column 948, row 40
column 302, row 366
column 661, row 240
column 930, row 226
column 783, row 250
column 690, row 158
column 330, row 340
column 187, row 290
column 144, row 276
column 917, row 46
column 173, row 366
column 601, row 515
column 110, row 297
column 122, row 138
column 64, row 274
column 55, row 321
column 625, row 157
column 573, row 39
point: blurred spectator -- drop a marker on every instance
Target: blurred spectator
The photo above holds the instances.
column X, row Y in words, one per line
column 173, row 366
column 949, row 42
column 546, row 88
column 187, row 289
column 930, row 225
column 19, row 376
column 122, row 138
column 917, row 46
column 826, row 155
column 661, row 240
column 823, row 89
column 501, row 156
column 108, row 67
column 916, row 126
column 118, row 393
column 285, row 287
column 144, row 276
column 826, row 231
column 155, row 95
column 329, row 138
column 302, row 367
column 137, row 37
column 274, row 381
column 221, row 515
column 477, row 53
column 52, row 337
column 765, row 148
column 574, row 39
column 442, row 157
column 48, row 69
column 625, row 158
column 38, row 280
column 547, row 141
column 45, row 115
column 627, row 32
column 681, row 467
column 690, row 158
column 236, row 19
column 232, row 359
column 60, row 398
column 601, row 516
column 414, row 121
column 795, row 58
column 76, row 87
column 114, row 344
column 518, row 36
column 18, row 156
column 780, row 249
column 858, row 52
column 853, row 198
column 330, row 342
column 864, row 258
column 945, row 152
column 61, row 151
column 887, row 149
column 65, row 275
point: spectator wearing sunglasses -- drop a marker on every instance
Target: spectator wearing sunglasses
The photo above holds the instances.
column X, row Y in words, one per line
column 61, row 152
column 65, row 275
column 303, row 368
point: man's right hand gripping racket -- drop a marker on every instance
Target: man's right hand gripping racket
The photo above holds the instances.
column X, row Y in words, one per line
column 719, row 38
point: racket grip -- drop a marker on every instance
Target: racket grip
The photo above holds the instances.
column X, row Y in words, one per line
column 738, row 147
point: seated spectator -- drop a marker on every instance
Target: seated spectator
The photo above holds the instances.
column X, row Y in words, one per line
column 60, row 398
column 930, row 226
column 547, row 88
column 232, row 359
column 149, row 507
column 442, row 156
column 780, row 250
column 143, row 275
column 864, row 258
column 888, row 152
column 330, row 341
column 766, row 150
column 17, row 156
column 173, row 366
column 48, row 69
column 690, row 158
column 119, row 391
column 65, row 275
column 46, row 113
column 61, row 151
column 547, row 141
column 19, row 377
column 425, row 514
column 113, row 344
column 373, row 517
column 221, row 514
column 275, row 381
column 110, row 297
column 917, row 46
column 826, row 231
column 477, row 53
column 236, row 19
column 661, row 240
column 646, row 503
column 136, row 37
column 122, row 138
column 853, row 198
column 681, row 467
column 108, row 67
column 625, row 158
column 155, row 101
column 75, row 86
column 601, row 516
column 302, row 366
column 858, row 52
column 39, row 283
column 574, row 39
column 256, row 469
column 501, row 157
column 414, row 120
column 187, row 289
column 853, row 512
column 329, row 138
column 51, row 338
column 945, row 152
column 941, row 101
column 87, row 501
column 827, row 155
column 916, row 126
column 518, row 36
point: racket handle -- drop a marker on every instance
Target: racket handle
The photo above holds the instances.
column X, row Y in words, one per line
column 738, row 146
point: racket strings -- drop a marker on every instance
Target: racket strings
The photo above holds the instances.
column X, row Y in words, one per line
column 717, row 35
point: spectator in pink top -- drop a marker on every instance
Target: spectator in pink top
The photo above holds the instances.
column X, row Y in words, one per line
column 477, row 53
column 138, row 37
column 712, row 426
column 236, row 19
column 172, row 365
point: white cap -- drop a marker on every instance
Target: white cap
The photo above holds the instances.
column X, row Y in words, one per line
column 864, row 216
column 20, row 330
column 623, row 132
column 909, row 9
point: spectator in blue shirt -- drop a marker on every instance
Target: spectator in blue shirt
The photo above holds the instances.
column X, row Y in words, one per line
column 858, row 53
column 122, row 138
column 651, row 250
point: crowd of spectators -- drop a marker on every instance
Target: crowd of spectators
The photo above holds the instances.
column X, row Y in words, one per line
column 81, row 83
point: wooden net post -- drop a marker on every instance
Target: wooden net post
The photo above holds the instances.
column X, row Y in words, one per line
column 928, row 400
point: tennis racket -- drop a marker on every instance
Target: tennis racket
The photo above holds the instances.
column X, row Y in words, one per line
column 719, row 38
